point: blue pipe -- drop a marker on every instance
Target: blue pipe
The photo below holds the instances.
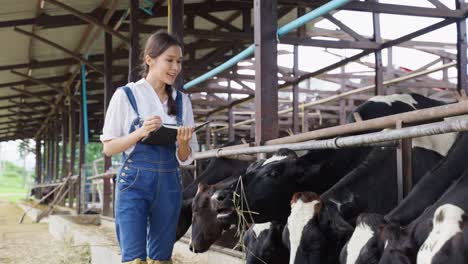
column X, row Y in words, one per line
column 231, row 62
column 318, row 12
column 85, row 104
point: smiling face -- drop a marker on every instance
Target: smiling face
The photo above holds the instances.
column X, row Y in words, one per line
column 166, row 66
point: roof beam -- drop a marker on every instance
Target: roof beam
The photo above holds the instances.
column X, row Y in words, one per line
column 402, row 10
column 57, row 46
column 33, row 95
column 218, row 22
column 34, row 64
column 54, row 79
column 90, row 20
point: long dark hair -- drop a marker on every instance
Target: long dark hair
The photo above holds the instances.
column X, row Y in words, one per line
column 156, row 45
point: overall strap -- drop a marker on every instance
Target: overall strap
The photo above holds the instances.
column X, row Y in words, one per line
column 131, row 99
column 180, row 109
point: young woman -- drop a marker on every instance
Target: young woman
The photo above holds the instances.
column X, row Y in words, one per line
column 148, row 185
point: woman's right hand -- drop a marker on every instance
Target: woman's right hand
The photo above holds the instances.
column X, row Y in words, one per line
column 150, row 124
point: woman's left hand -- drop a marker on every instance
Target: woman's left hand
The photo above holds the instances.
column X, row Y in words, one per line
column 184, row 134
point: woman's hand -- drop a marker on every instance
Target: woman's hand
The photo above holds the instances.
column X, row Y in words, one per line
column 150, row 124
column 184, row 134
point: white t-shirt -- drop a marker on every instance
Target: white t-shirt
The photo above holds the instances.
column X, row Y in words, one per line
column 120, row 113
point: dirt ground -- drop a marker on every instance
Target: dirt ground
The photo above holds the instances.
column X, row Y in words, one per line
column 31, row 243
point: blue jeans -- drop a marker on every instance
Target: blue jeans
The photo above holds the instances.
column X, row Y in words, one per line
column 147, row 204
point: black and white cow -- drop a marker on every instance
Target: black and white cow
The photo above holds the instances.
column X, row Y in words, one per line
column 263, row 244
column 268, row 188
column 206, row 228
column 369, row 187
column 402, row 245
column 215, row 171
column 313, row 230
column 425, row 193
column 445, row 243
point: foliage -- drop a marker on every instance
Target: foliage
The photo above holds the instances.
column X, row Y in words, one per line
column 10, row 170
column 93, row 152
column 11, row 181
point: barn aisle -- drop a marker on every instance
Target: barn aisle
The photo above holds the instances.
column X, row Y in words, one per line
column 31, row 242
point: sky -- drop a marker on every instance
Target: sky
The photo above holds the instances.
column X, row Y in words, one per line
column 313, row 58
column 9, row 151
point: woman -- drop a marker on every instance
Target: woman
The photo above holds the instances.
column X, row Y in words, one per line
column 148, row 186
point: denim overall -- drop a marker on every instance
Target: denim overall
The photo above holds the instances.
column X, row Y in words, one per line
column 148, row 197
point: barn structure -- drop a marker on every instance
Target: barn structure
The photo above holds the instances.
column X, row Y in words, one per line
column 62, row 60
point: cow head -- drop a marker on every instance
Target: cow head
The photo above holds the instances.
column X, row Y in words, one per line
column 206, row 229
column 399, row 245
column 445, row 242
column 264, row 190
column 264, row 244
column 315, row 232
column 366, row 243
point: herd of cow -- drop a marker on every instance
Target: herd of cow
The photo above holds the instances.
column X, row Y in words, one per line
column 339, row 205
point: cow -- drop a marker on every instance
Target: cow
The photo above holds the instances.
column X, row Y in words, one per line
column 445, row 243
column 313, row 230
column 402, row 244
column 206, row 228
column 269, row 187
column 263, row 244
column 216, row 170
column 425, row 193
column 371, row 186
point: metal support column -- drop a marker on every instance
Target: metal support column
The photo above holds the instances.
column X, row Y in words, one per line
column 295, row 88
column 176, row 27
column 404, row 166
column 57, row 147
column 208, row 134
column 37, row 180
column 462, row 78
column 81, row 170
column 108, row 92
column 342, row 111
column 266, row 83
column 65, row 163
column 379, row 89
column 231, row 121
column 72, row 135
column 133, row 60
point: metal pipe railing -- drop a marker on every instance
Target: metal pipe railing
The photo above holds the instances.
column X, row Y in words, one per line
column 423, row 115
column 318, row 12
column 455, row 125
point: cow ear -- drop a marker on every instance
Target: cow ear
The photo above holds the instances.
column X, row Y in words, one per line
column 256, row 164
column 202, row 187
column 464, row 221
